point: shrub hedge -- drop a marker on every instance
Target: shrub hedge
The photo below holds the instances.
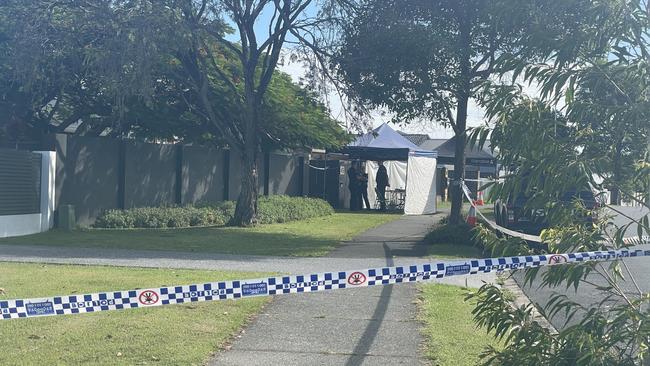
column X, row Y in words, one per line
column 272, row 209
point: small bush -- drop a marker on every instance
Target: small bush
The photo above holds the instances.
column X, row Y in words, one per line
column 273, row 209
column 114, row 219
column 161, row 217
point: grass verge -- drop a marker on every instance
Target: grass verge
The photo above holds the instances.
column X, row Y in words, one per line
column 446, row 241
column 311, row 237
column 451, row 336
column 170, row 335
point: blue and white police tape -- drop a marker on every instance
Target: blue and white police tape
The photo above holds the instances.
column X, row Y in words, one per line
column 117, row 300
column 535, row 238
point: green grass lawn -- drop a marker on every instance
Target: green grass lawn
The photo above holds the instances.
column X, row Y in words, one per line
column 443, row 205
column 168, row 335
column 312, row 237
column 451, row 336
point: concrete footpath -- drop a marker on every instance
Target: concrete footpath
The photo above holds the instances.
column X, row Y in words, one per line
column 365, row 326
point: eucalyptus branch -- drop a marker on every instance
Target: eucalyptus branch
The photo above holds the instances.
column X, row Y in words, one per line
column 199, row 14
column 222, row 75
column 631, row 277
column 632, row 219
column 451, row 118
column 613, row 283
column 225, row 43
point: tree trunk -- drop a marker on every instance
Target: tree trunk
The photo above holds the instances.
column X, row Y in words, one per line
column 246, row 209
column 615, row 197
column 462, row 98
column 459, row 162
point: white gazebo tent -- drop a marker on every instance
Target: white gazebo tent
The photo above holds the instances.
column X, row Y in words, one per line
column 408, row 166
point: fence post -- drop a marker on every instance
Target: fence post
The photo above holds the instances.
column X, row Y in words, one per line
column 301, row 175
column 178, row 184
column 267, row 172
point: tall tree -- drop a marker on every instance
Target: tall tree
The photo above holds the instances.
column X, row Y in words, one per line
column 197, row 34
column 613, row 130
column 173, row 70
column 595, row 95
column 427, row 59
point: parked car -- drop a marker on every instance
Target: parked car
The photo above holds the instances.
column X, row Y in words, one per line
column 516, row 213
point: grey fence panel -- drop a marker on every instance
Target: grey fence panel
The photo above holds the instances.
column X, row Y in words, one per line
column 96, row 174
column 20, row 182
column 285, row 175
column 150, row 175
column 89, row 177
column 236, row 171
column 234, row 175
column 203, row 179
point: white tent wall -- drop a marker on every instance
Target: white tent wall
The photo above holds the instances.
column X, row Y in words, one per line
column 396, row 177
column 421, row 187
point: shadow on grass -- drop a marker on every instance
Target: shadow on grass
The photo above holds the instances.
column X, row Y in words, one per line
column 453, row 241
column 216, row 240
column 313, row 237
column 371, row 212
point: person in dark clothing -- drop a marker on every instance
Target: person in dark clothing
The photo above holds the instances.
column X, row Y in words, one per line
column 382, row 183
column 363, row 188
column 444, row 184
column 353, row 186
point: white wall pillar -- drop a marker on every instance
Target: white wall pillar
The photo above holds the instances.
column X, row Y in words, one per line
column 48, row 175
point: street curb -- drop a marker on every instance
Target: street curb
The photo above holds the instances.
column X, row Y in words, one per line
column 522, row 300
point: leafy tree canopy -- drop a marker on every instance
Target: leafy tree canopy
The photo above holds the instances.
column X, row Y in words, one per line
column 111, row 68
column 590, row 122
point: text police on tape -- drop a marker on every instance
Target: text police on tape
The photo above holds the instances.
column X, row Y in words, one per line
column 225, row 290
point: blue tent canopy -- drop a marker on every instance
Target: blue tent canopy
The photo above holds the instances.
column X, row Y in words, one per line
column 384, row 143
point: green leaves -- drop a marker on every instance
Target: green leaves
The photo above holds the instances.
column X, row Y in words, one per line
column 614, row 335
column 587, row 130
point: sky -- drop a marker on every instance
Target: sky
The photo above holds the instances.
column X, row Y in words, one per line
column 433, row 129
column 297, row 71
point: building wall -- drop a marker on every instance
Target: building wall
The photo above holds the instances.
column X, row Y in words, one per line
column 19, row 182
column 27, row 186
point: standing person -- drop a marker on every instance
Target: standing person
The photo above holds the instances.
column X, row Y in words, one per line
column 444, row 184
column 382, row 183
column 363, row 188
column 353, row 186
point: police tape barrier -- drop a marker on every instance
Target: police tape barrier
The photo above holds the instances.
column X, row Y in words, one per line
column 535, row 238
column 213, row 291
column 494, row 225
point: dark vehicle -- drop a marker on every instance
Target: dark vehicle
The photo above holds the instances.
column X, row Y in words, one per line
column 517, row 214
